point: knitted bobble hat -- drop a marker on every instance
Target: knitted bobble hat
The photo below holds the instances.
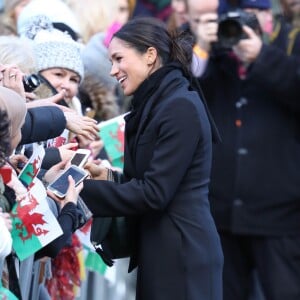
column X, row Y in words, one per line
column 53, row 48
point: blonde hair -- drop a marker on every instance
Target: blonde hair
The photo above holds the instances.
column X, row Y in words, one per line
column 14, row 50
column 8, row 19
column 93, row 15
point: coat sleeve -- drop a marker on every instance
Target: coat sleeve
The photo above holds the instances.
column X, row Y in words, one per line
column 279, row 74
column 42, row 123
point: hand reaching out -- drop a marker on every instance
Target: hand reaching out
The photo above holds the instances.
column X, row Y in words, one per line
column 82, row 125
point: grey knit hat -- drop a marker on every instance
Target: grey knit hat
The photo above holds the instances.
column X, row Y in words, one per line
column 54, row 48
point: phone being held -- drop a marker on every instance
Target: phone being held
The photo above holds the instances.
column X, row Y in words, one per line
column 60, row 185
column 80, row 157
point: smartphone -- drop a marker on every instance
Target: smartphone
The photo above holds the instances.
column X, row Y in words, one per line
column 80, row 157
column 60, row 185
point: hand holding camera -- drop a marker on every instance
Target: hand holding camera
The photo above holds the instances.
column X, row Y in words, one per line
column 249, row 48
column 13, row 78
column 231, row 27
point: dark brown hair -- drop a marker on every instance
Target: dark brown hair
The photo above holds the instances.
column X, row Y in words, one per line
column 144, row 32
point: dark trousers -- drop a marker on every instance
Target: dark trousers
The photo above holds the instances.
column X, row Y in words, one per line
column 275, row 261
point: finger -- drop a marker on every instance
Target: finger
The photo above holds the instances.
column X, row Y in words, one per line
column 70, row 146
column 57, row 97
column 249, row 31
column 61, row 165
column 71, row 181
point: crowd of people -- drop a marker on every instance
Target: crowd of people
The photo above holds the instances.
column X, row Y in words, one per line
column 210, row 185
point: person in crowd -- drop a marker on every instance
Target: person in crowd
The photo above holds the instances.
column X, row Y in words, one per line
column 52, row 119
column 178, row 16
column 51, row 47
column 287, row 27
column 176, row 243
column 17, row 53
column 14, row 109
column 252, row 92
column 160, row 9
column 66, row 209
column 10, row 15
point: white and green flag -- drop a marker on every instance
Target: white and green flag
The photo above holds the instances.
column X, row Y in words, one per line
column 34, row 224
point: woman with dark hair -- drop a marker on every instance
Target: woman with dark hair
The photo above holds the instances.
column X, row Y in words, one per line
column 167, row 163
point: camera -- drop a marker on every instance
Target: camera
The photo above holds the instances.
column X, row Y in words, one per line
column 230, row 30
column 31, row 82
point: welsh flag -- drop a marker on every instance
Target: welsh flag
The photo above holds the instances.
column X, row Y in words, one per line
column 112, row 135
column 6, row 294
column 34, row 224
column 33, row 166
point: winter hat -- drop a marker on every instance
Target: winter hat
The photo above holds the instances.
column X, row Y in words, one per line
column 56, row 10
column 53, row 48
column 259, row 4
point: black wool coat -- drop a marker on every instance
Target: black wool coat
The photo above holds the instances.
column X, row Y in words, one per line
column 255, row 181
column 178, row 252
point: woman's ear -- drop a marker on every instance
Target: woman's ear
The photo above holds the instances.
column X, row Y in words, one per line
column 151, row 55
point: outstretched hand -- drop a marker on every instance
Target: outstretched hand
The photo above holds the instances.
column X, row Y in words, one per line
column 82, row 125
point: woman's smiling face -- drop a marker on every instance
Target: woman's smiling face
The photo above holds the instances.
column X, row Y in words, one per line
column 129, row 66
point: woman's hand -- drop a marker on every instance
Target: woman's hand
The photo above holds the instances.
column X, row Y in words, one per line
column 66, row 152
column 94, row 145
column 82, row 125
column 71, row 195
column 96, row 170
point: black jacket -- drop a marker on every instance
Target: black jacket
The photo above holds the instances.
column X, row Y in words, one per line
column 255, row 182
column 42, row 123
column 166, row 184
